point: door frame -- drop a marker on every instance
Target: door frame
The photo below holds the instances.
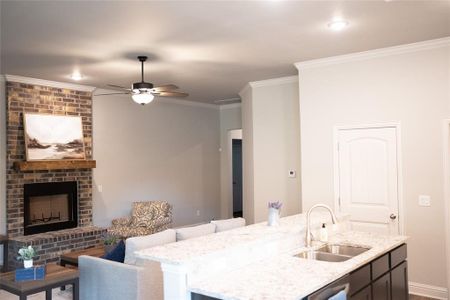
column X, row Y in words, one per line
column 397, row 126
column 233, row 134
column 446, row 170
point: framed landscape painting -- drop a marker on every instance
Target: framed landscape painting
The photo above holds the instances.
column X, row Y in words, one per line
column 53, row 137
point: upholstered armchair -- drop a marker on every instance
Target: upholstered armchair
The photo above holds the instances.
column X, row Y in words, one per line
column 146, row 218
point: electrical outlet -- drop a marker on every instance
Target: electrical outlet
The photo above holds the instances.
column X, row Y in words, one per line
column 100, row 188
column 198, row 213
column 424, row 200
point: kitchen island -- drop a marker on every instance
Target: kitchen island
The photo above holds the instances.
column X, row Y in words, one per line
column 258, row 262
column 289, row 277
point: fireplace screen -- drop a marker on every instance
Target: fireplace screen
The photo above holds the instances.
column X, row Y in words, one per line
column 50, row 206
column 49, row 209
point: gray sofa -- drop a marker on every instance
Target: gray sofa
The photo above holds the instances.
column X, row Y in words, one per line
column 104, row 279
column 137, row 279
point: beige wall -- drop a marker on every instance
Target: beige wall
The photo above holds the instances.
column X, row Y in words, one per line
column 276, row 145
column 247, row 155
column 410, row 88
column 161, row 151
column 230, row 118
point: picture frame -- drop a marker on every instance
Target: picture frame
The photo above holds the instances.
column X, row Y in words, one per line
column 51, row 137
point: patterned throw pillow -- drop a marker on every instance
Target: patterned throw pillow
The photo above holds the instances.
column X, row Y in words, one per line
column 143, row 214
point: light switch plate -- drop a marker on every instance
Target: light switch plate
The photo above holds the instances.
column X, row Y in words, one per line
column 424, row 200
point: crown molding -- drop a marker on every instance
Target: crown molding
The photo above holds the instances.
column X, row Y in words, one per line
column 269, row 82
column 274, row 81
column 382, row 52
column 56, row 84
column 189, row 103
column 244, row 90
column 230, row 106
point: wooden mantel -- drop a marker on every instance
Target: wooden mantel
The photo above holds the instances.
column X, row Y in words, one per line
column 54, row 165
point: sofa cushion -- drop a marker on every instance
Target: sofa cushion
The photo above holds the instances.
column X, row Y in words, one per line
column 195, row 231
column 224, row 225
column 143, row 242
column 117, row 254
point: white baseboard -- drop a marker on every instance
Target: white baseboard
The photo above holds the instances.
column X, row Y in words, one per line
column 426, row 290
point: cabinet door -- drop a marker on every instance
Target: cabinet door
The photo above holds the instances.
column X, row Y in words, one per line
column 399, row 282
column 381, row 288
column 365, row 294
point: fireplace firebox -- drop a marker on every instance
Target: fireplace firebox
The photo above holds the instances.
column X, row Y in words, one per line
column 50, row 206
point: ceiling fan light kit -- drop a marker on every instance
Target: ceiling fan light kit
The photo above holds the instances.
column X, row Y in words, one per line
column 145, row 92
column 142, row 97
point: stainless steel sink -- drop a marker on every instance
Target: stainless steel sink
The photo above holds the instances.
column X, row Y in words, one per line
column 323, row 256
column 347, row 250
column 333, row 252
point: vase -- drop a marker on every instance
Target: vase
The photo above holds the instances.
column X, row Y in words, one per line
column 274, row 217
column 28, row 263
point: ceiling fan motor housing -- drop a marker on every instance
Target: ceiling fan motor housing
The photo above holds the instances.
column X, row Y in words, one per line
column 142, row 86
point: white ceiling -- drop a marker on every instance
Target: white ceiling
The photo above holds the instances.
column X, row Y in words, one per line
column 209, row 49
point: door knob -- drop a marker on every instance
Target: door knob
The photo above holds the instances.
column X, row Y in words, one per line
column 393, row 217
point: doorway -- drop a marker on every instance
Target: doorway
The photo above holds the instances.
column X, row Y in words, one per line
column 237, row 177
column 234, row 182
column 367, row 177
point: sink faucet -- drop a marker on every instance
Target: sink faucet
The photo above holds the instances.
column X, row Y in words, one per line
column 308, row 225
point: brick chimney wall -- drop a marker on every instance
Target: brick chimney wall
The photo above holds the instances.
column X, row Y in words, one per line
column 22, row 98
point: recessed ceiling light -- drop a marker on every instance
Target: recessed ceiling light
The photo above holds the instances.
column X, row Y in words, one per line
column 76, row 76
column 337, row 25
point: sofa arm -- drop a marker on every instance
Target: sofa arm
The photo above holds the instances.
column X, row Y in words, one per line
column 104, row 279
column 121, row 221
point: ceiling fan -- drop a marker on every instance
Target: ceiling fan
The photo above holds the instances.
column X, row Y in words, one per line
column 144, row 92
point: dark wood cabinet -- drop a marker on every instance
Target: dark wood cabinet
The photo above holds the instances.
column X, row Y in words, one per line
column 364, row 294
column 399, row 282
column 381, row 288
column 359, row 279
column 384, row 278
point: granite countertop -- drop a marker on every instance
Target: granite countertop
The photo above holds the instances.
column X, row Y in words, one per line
column 286, row 277
column 213, row 244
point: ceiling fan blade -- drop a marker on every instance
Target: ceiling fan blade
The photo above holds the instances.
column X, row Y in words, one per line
column 127, row 93
column 171, row 94
column 165, row 88
column 117, row 86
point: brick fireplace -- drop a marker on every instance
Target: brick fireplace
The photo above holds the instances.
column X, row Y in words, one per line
column 50, row 206
column 49, row 241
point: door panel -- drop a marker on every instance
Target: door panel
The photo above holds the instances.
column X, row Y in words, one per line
column 381, row 288
column 365, row 294
column 399, row 281
column 368, row 187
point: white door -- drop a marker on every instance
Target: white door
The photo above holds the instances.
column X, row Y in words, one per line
column 368, row 178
